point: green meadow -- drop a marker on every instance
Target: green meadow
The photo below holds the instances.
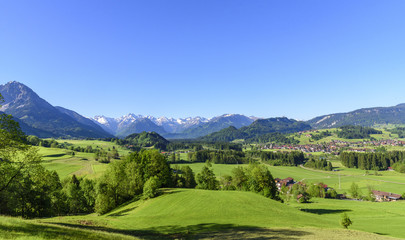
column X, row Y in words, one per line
column 81, row 164
column 388, row 181
column 203, row 214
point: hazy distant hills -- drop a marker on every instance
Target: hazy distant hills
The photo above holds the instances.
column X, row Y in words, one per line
column 38, row 117
column 363, row 117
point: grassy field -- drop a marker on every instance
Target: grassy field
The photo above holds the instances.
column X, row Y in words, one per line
column 81, row 164
column 97, row 144
column 388, row 181
column 202, row 214
column 385, row 218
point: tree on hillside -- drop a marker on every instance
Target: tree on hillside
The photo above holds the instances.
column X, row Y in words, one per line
column 355, row 190
column 188, row 175
column 125, row 179
column 150, row 189
column 206, row 178
column 239, row 178
column 260, row 180
column 345, row 221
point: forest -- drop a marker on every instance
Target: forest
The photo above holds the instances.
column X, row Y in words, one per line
column 356, row 132
column 371, row 161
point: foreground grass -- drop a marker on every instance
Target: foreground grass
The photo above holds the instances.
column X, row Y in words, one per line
column 201, row 214
column 14, row 228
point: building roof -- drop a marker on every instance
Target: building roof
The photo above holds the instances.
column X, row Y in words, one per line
column 386, row 194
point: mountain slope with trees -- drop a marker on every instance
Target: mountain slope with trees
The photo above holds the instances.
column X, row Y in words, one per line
column 146, row 139
column 365, row 117
column 271, row 128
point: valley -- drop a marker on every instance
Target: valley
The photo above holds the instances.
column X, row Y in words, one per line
column 138, row 177
column 189, row 213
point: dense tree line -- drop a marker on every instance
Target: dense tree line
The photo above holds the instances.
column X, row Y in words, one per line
column 356, row 132
column 254, row 178
column 293, row 158
column 218, row 156
column 321, row 164
column 199, row 145
column 371, row 161
column 277, row 138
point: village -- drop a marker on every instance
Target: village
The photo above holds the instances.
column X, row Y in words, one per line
column 336, row 146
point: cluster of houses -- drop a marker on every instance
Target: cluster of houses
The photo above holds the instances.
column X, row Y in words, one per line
column 379, row 195
column 334, row 146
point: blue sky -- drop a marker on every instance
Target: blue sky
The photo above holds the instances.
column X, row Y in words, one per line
column 293, row 58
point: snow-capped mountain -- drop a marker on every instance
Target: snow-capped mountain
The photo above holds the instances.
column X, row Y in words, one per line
column 180, row 127
column 168, row 125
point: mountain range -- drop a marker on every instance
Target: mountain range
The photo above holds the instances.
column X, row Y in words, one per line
column 38, row 117
column 184, row 128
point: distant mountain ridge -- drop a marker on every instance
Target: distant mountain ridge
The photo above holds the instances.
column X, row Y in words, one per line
column 190, row 127
column 365, row 117
column 258, row 128
column 38, row 117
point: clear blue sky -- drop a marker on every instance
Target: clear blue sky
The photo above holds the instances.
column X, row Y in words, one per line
column 174, row 58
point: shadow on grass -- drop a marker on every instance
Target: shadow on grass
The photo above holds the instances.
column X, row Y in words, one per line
column 42, row 231
column 201, row 231
column 121, row 213
column 55, row 155
column 325, row 211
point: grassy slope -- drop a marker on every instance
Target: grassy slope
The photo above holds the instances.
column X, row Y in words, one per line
column 219, row 214
column 82, row 164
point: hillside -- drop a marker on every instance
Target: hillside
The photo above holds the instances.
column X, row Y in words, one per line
column 147, row 139
column 41, row 118
column 214, row 125
column 259, row 128
column 363, row 117
column 202, row 214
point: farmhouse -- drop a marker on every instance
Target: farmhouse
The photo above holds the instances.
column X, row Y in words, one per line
column 288, row 182
column 385, row 196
